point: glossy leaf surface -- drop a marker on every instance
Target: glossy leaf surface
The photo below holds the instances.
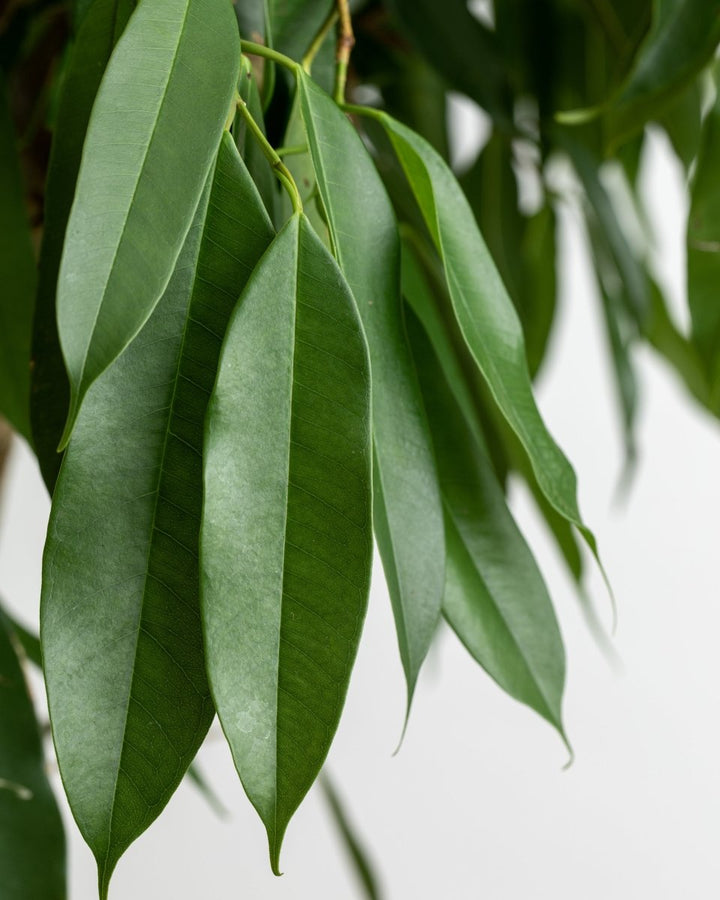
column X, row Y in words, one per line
column 495, row 597
column 32, row 849
column 484, row 312
column 101, row 28
column 142, row 133
column 287, row 530
column 120, row 617
column 408, row 510
column 17, row 280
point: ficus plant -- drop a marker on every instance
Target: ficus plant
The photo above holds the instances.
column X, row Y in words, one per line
column 252, row 320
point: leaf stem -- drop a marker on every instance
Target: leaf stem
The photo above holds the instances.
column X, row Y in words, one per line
column 278, row 166
column 253, row 49
column 345, row 43
column 319, row 40
column 292, row 150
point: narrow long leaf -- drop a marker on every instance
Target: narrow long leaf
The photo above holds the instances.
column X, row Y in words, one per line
column 32, row 843
column 121, row 630
column 681, row 41
column 287, row 530
column 358, row 855
column 17, row 277
column 495, row 597
column 408, row 509
column 485, row 313
column 142, row 133
column 703, row 251
column 101, row 28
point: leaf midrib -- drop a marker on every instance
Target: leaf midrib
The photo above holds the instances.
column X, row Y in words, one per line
column 134, row 193
column 152, row 531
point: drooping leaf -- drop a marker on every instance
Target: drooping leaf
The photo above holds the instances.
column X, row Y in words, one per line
column 682, row 121
column 681, row 41
column 287, row 529
column 703, row 250
column 450, row 355
column 523, row 247
column 485, row 313
column 142, row 134
column 121, row 628
column 17, row 277
column 29, row 642
column 450, row 37
column 362, row 866
column 100, row 30
column 32, row 843
column 495, row 597
column 250, row 150
column 408, row 510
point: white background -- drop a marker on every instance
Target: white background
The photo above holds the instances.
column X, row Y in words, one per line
column 476, row 804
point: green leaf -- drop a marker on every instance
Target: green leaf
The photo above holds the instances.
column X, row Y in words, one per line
column 703, row 252
column 286, row 539
column 453, row 41
column 150, row 144
column 294, row 23
column 495, row 597
column 17, row 276
column 250, row 150
column 121, row 629
column 523, row 248
column 681, row 41
column 451, row 354
column 683, row 123
column 353, row 844
column 100, row 30
column 485, row 313
column 29, row 642
column 32, row 843
column 408, row 510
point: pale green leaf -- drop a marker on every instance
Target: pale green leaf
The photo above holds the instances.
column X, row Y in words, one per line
column 153, row 133
column 101, row 28
column 17, row 278
column 286, row 538
column 485, row 313
column 408, row 510
column 32, row 843
column 495, row 597
column 121, row 629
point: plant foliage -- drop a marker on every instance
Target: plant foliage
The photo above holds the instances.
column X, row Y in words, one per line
column 251, row 316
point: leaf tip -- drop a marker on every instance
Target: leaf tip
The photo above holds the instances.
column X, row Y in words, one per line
column 69, row 423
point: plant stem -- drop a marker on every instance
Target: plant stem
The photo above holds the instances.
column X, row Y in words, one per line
column 281, row 171
column 319, row 40
column 253, row 49
column 292, row 150
column 346, row 41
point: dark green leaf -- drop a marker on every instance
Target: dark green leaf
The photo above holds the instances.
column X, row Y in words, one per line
column 17, row 277
column 100, row 30
column 683, row 123
column 287, row 529
column 681, row 41
column 294, row 24
column 408, row 510
column 121, row 629
column 419, row 295
column 142, row 134
column 29, row 642
column 32, row 843
column 485, row 313
column 703, row 252
column 251, row 151
column 495, row 597
column 353, row 844
column 454, row 41
column 195, row 774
